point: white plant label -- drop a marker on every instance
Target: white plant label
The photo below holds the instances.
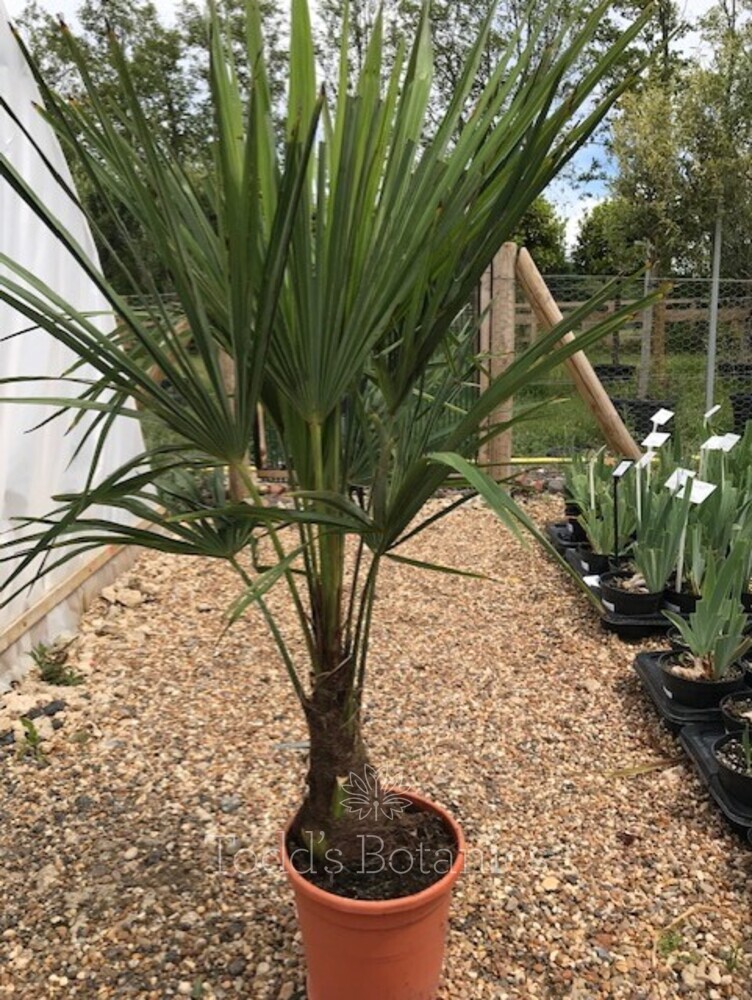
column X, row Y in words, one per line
column 712, row 412
column 656, row 439
column 644, row 462
column 678, row 478
column 699, row 491
column 591, row 581
column 661, row 417
column 729, row 440
column 716, row 442
column 621, row 469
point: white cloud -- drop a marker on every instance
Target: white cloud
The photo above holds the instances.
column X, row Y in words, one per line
column 574, row 213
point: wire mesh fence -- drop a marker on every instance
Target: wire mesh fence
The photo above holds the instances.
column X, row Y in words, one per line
column 661, row 358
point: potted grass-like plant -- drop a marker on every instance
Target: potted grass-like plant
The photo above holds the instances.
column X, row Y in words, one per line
column 600, row 527
column 639, row 589
column 714, row 637
column 320, row 271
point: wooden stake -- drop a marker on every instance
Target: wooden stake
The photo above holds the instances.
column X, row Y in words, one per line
column 502, row 353
column 497, row 344
column 588, row 384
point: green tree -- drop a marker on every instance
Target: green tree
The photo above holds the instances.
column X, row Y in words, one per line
column 541, row 230
column 515, row 25
column 608, row 240
column 684, row 154
column 166, row 95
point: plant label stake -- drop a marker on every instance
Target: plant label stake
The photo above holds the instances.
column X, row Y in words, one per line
column 699, row 491
column 661, row 417
column 678, row 478
column 616, row 475
column 716, row 442
column 640, row 464
column 708, row 417
column 656, row 439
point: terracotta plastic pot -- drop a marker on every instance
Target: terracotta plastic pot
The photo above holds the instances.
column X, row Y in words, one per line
column 375, row 950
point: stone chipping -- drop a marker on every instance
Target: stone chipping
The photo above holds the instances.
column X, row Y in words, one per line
column 138, row 845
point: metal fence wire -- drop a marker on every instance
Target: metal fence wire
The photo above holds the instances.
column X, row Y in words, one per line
column 664, row 357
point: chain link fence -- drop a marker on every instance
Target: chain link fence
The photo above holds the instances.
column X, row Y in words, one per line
column 663, row 357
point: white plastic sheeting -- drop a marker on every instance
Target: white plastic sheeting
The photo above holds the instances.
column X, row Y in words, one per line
column 35, row 465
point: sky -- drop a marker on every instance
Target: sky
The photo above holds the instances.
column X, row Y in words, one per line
column 571, row 202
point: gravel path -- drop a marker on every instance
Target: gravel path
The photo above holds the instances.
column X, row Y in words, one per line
column 140, row 862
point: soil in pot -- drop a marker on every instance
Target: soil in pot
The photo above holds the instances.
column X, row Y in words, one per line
column 424, row 846
column 732, row 767
column 684, row 683
column 625, row 593
column 736, row 710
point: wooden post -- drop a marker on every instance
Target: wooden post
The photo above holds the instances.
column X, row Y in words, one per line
column 497, row 336
column 587, row 382
column 238, row 488
column 263, row 451
column 502, row 354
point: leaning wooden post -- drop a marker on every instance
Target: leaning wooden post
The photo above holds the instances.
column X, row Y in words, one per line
column 587, row 382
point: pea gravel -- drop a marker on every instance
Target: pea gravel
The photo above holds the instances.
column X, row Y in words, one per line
column 140, row 861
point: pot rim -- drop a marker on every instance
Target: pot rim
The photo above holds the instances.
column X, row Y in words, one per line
column 624, row 574
column 722, row 741
column 379, row 907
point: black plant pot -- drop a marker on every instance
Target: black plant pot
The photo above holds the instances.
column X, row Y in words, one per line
column 614, row 373
column 697, row 693
column 741, row 405
column 622, row 602
column 680, row 602
column 577, row 532
column 593, row 563
column 738, row 785
column 732, row 722
column 637, row 412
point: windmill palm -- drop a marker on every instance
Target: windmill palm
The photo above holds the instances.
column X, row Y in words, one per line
column 325, row 267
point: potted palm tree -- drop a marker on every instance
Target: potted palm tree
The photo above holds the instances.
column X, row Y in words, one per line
column 319, row 272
